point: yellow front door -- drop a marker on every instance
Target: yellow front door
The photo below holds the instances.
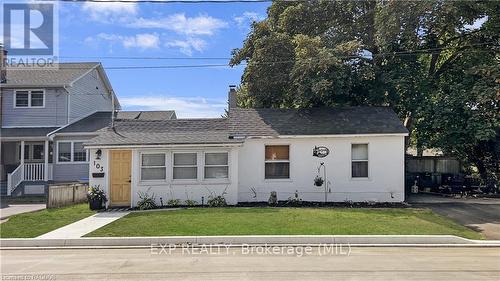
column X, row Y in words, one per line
column 120, row 177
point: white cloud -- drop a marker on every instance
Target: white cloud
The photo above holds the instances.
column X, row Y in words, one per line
column 110, row 11
column 179, row 23
column 141, row 41
column 187, row 46
column 247, row 18
column 195, row 107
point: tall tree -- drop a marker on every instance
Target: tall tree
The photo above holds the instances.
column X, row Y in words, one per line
column 433, row 61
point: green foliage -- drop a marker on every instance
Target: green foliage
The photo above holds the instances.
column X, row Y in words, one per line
column 146, row 201
column 426, row 59
column 284, row 221
column 30, row 225
column 174, row 202
column 190, row 202
column 96, row 193
column 217, row 201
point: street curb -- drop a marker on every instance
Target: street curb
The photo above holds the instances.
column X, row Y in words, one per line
column 359, row 240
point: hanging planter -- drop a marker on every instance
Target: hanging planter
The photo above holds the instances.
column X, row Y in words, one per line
column 318, row 181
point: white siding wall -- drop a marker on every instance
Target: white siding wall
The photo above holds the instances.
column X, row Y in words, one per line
column 88, row 94
column 386, row 170
column 246, row 172
column 169, row 188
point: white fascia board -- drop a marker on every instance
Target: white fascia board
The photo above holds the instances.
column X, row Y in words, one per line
column 161, row 145
column 327, row 136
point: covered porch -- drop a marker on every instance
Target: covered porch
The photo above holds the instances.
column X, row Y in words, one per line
column 25, row 159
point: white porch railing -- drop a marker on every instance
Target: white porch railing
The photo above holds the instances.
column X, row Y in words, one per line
column 27, row 172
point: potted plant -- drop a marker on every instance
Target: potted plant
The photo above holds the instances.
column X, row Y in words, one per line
column 96, row 197
column 318, row 181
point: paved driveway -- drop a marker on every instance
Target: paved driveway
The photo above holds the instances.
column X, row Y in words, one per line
column 479, row 214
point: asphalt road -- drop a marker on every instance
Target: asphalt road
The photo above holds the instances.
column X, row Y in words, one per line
column 368, row 263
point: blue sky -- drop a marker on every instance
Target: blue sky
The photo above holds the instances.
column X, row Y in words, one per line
column 90, row 30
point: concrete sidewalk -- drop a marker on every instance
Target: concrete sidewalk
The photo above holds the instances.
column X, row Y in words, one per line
column 84, row 226
column 14, row 209
column 161, row 241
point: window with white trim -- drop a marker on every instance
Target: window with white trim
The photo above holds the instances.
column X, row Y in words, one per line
column 64, row 151
column 185, row 166
column 277, row 162
column 71, row 151
column 359, row 158
column 216, row 165
column 79, row 153
column 153, row 166
column 33, row 98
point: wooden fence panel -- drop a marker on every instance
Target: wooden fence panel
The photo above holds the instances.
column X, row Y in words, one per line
column 66, row 194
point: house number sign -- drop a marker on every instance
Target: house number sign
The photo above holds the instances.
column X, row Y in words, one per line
column 321, row 151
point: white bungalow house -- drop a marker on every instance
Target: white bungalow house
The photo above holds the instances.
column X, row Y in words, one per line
column 252, row 153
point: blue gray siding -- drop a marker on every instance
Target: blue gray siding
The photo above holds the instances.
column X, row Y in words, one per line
column 69, row 171
column 88, row 95
column 53, row 114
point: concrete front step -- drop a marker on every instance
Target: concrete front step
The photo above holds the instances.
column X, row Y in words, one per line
column 295, row 240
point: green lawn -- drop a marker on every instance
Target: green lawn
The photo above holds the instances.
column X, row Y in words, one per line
column 37, row 223
column 275, row 221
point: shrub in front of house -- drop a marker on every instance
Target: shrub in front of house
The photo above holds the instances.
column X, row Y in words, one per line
column 97, row 197
column 146, row 201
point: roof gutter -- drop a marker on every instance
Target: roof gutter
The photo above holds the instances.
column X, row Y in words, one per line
column 121, row 146
column 327, row 136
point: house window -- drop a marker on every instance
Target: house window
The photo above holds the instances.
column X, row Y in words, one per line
column 22, row 99
column 38, row 151
column 185, row 166
column 216, row 165
column 35, row 98
column 359, row 156
column 64, row 152
column 79, row 153
column 277, row 162
column 71, row 151
column 153, row 166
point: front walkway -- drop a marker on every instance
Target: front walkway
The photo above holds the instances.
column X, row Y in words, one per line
column 84, row 226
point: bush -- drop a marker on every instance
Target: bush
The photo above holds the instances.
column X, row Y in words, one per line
column 174, row 202
column 146, row 201
column 190, row 203
column 294, row 201
column 217, row 201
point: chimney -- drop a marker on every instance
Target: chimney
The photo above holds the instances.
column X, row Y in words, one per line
column 3, row 64
column 232, row 100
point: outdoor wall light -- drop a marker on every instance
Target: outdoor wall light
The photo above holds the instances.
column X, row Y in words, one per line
column 98, row 154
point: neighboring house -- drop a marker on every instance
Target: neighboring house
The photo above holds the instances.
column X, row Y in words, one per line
column 46, row 116
column 252, row 153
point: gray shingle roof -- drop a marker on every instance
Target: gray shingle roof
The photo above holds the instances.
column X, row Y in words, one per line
column 314, row 121
column 91, row 123
column 26, row 132
column 147, row 115
column 253, row 122
column 177, row 131
column 62, row 75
